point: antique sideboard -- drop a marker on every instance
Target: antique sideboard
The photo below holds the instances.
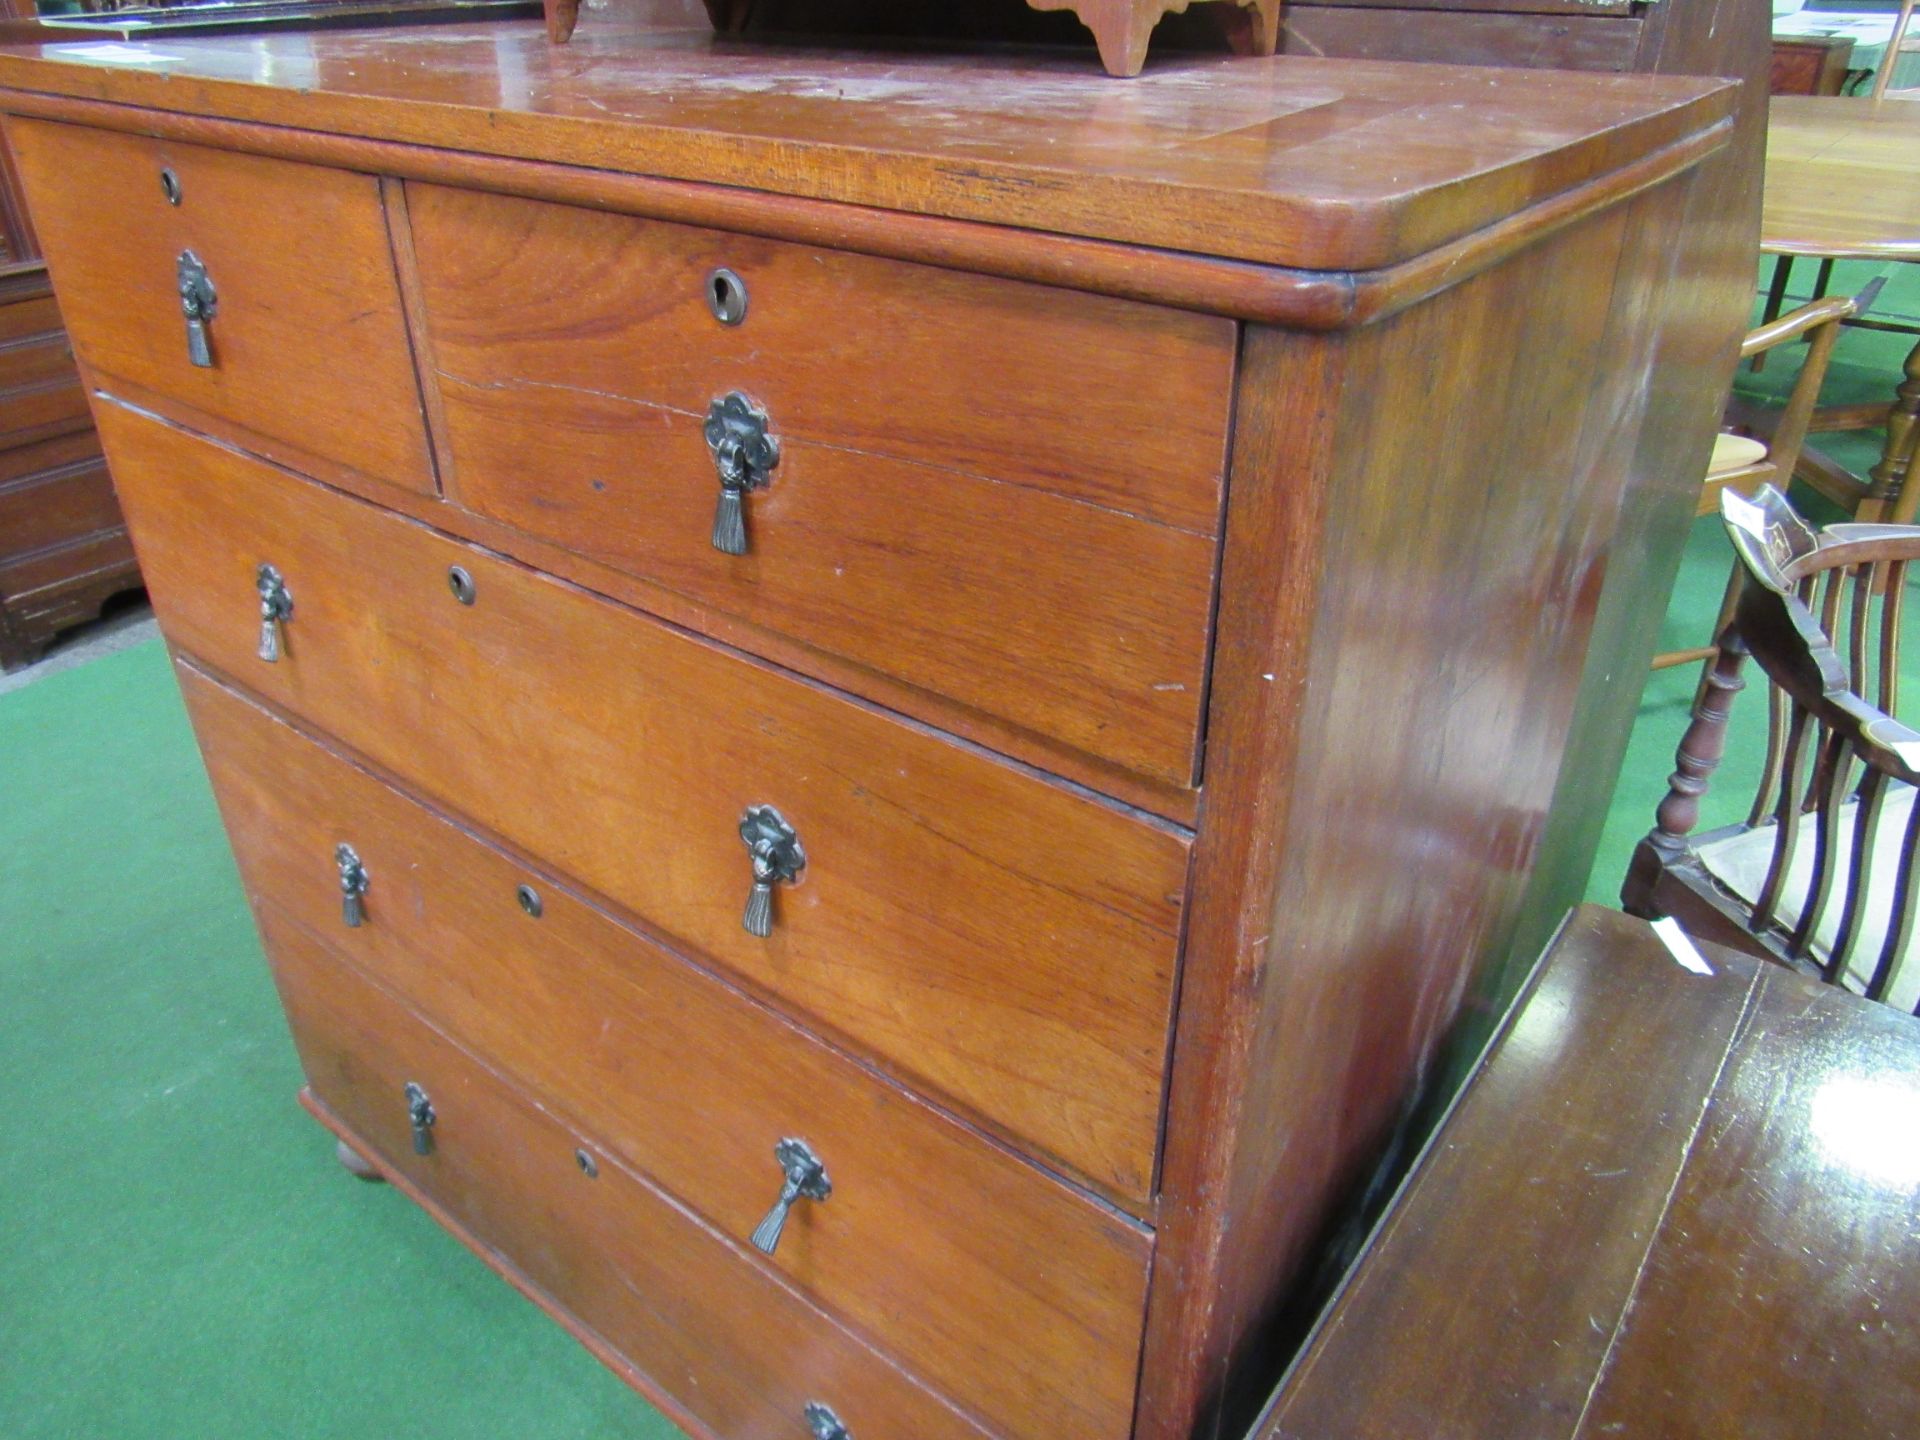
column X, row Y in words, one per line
column 877, row 708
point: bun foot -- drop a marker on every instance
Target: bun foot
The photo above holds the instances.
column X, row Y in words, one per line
column 357, row 1165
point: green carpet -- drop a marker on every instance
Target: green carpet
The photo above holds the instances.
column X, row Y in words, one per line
column 179, row 1254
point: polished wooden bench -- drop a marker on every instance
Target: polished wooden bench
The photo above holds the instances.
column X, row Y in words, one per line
column 1669, row 1203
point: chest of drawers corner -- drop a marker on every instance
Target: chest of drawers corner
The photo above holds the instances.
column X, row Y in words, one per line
column 879, row 784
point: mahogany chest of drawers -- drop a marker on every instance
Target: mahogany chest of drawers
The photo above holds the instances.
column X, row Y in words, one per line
column 878, row 713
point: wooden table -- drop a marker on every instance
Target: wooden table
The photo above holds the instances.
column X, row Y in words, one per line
column 1669, row 1204
column 1842, row 183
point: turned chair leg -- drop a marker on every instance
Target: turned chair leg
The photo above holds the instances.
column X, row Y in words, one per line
column 1694, row 762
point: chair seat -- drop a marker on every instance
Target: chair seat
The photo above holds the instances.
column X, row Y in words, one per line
column 1739, row 863
column 1734, row 452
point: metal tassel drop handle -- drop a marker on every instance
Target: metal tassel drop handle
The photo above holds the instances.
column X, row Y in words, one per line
column 421, row 1117
column 777, row 859
column 276, row 608
column 744, row 455
column 803, row 1178
column 824, row 1424
column 198, row 303
column 353, row 886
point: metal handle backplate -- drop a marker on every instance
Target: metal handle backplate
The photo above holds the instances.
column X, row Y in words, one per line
column 744, row 455
column 778, row 859
column 802, row 1177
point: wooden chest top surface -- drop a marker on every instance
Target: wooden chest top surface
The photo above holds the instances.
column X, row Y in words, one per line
column 1324, row 165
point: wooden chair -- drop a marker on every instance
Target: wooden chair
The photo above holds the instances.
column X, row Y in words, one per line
column 1746, row 460
column 1890, row 61
column 1824, row 872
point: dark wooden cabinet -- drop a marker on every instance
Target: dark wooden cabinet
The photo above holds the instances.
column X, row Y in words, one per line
column 1810, row 64
column 1026, row 627
column 64, row 549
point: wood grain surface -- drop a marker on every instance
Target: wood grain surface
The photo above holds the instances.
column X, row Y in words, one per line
column 1700, row 327
column 63, row 545
column 723, row 1342
column 1396, row 763
column 308, row 338
column 54, row 505
column 1289, row 161
column 1002, row 939
column 1669, row 1204
column 1468, row 34
column 1840, row 178
column 1094, row 430
column 1037, row 1313
column 1179, row 805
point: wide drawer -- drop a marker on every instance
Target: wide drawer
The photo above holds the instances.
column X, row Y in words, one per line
column 307, row 339
column 1000, row 939
column 32, row 314
column 36, row 359
column 64, row 504
column 43, row 406
column 999, row 492
column 1038, row 1313
column 730, row 1345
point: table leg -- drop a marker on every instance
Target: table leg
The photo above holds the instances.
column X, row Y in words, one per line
column 1890, row 475
column 1776, row 299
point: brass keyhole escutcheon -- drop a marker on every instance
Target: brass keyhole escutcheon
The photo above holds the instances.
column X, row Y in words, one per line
column 726, row 296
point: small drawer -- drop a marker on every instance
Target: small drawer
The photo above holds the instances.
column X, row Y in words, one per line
column 998, row 492
column 62, row 505
column 1002, row 940
column 995, row 1281
column 305, row 341
column 732, row 1346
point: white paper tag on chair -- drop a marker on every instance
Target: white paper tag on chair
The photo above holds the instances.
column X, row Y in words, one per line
column 1743, row 512
column 1680, row 945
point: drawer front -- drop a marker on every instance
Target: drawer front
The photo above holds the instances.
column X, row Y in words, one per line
column 61, row 586
column 27, row 462
column 1110, row 401
column 307, row 338
column 36, row 360
column 1037, row 1313
column 738, row 1350
column 998, row 492
column 1004, row 941
column 54, row 404
column 29, row 316
column 46, row 510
